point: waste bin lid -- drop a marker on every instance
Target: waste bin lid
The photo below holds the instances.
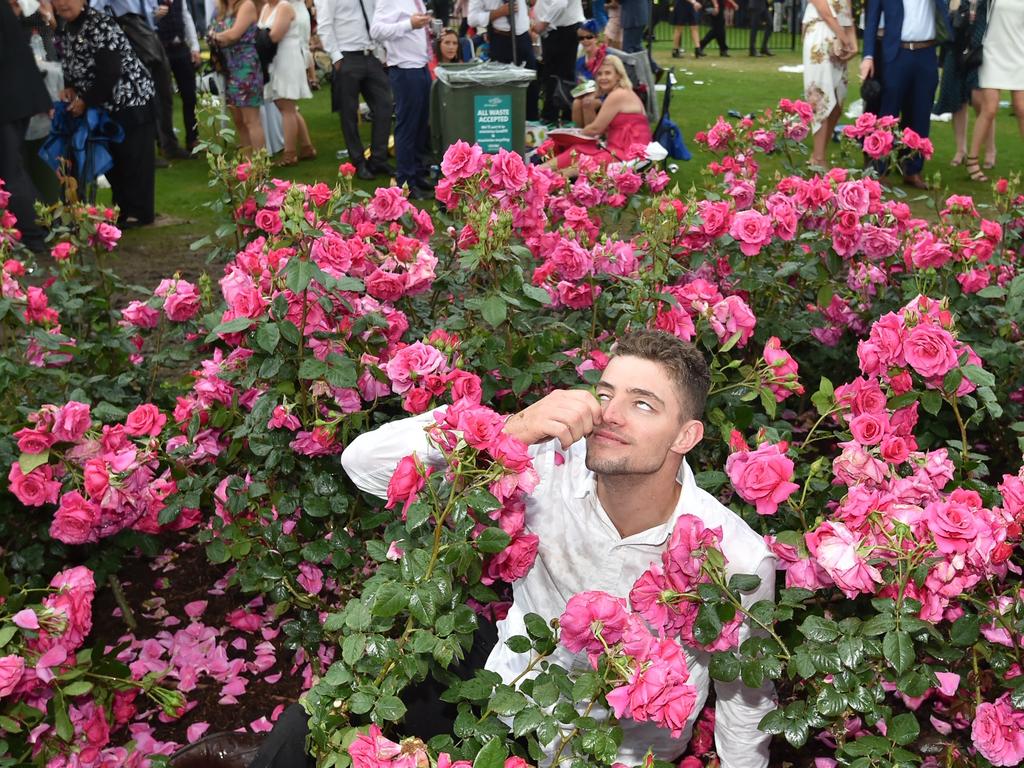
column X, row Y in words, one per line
column 485, row 73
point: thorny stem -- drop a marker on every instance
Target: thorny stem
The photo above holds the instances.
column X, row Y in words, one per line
column 126, row 610
column 964, row 457
column 572, row 734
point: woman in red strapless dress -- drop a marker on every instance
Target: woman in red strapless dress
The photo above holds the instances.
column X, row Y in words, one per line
column 621, row 123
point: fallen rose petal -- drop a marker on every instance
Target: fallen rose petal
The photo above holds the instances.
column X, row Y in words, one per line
column 271, row 679
column 948, row 682
column 196, row 730
column 261, row 726
column 239, row 643
column 196, row 608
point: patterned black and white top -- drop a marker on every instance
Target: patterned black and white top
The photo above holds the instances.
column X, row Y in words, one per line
column 100, row 64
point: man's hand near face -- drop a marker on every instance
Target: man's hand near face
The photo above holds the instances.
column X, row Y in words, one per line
column 566, row 415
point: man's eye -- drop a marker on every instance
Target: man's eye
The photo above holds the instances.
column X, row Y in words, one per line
column 644, row 406
column 603, row 396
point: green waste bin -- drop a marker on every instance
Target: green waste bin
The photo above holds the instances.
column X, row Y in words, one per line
column 481, row 103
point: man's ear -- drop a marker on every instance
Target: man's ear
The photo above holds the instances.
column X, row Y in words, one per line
column 690, row 433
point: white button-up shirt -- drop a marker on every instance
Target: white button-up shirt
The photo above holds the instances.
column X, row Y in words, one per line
column 580, row 550
column 559, row 13
column 342, row 26
column 407, row 48
column 479, row 15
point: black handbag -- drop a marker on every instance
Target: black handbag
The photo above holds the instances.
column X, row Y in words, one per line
column 143, row 39
column 969, row 48
column 266, row 49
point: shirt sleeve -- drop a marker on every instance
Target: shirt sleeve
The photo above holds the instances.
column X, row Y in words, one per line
column 389, row 22
column 479, row 14
column 738, row 709
column 325, row 28
column 371, row 458
column 191, row 38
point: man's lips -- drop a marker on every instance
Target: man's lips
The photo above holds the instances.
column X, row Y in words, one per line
column 609, row 436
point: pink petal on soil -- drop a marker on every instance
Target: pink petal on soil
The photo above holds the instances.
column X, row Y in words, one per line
column 261, row 726
column 239, row 643
column 195, row 731
column 196, row 608
column 948, row 682
column 271, row 679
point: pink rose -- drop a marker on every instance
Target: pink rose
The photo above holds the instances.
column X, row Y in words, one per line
column 140, row 315
column 107, row 235
column 589, row 614
column 732, row 315
column 783, row 370
column 406, row 482
column 76, row 521
column 11, row 669
column 34, row 440
column 319, row 193
column 388, row 204
column 385, row 285
column 514, row 562
column 310, row 578
column 753, row 231
column 372, row 750
column 954, row 525
column 508, row 172
column 71, row 422
column 855, row 465
column 34, row 489
column 998, row 732
column 62, row 251
column 869, row 428
column 762, row 477
column 853, row 196
column 145, row 420
column 462, row 160
column 837, row 550
column 878, row 144
column 269, row 221
column 930, row 350
column 183, row 304
column 75, row 589
column 411, row 363
column 465, row 386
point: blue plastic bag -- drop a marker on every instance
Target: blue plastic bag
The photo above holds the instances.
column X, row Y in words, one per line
column 670, row 136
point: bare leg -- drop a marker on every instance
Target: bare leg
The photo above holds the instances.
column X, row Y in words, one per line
column 988, row 100
column 577, row 112
column 695, row 36
column 819, row 153
column 960, row 135
column 306, row 148
column 290, row 127
column 241, row 132
column 1018, row 108
column 251, row 115
column 990, row 140
column 677, row 38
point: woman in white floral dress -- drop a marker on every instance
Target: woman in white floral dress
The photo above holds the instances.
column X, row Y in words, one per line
column 829, row 43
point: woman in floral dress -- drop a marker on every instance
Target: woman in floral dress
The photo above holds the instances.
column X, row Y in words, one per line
column 829, row 43
column 233, row 33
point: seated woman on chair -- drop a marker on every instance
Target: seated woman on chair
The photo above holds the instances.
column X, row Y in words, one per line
column 584, row 108
column 621, row 123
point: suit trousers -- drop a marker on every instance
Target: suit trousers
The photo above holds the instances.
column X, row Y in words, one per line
column 133, row 176
column 180, row 58
column 760, row 17
column 411, row 88
column 908, row 90
column 501, row 50
column 559, row 47
column 357, row 74
column 160, row 71
column 716, row 32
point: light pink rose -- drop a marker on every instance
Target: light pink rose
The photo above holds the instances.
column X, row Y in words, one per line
column 140, row 315
column 998, row 732
column 783, row 370
column 71, row 422
column 837, row 551
column 762, row 477
column 183, row 304
column 732, row 315
column 388, row 204
column 12, row 667
column 411, row 363
column 589, row 614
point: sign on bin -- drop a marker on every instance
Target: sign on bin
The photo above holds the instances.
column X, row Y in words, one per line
column 492, row 122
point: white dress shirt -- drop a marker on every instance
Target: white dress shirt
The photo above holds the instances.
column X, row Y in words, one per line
column 479, row 15
column 341, row 26
column 581, row 550
column 918, row 21
column 407, row 48
column 559, row 13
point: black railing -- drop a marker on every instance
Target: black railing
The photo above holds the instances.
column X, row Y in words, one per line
column 785, row 27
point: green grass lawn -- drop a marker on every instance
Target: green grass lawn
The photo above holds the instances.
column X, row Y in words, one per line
column 705, row 88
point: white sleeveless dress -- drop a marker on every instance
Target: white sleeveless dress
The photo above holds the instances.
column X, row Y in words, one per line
column 288, row 69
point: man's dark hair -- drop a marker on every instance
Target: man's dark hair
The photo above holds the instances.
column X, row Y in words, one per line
column 685, row 364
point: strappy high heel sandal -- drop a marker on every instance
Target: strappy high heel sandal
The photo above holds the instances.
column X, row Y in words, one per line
column 973, row 168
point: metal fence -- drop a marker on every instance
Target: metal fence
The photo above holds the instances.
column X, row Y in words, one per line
column 785, row 27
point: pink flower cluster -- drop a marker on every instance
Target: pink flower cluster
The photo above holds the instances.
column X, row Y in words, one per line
column 700, row 301
column 881, row 135
column 762, row 477
column 763, row 132
column 651, row 669
column 665, row 594
column 104, row 480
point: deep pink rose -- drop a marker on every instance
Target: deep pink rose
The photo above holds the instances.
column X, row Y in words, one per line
column 869, row 428
column 514, row 562
column 762, row 477
column 411, row 363
column 590, row 613
column 71, row 422
column 732, row 315
column 461, row 160
column 508, row 172
column 11, row 669
column 62, row 251
column 838, row 551
column 753, row 230
column 269, row 221
column 76, row 521
column 930, row 350
column 75, row 589
column 388, row 204
column 953, row 524
column 34, row 440
column 406, row 482
column 107, row 235
column 34, row 489
column 998, row 732
column 878, row 144
column 145, row 420
column 783, row 370
column 385, row 285
column 183, row 304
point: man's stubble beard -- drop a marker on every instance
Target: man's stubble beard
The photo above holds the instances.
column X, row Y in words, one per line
column 621, row 466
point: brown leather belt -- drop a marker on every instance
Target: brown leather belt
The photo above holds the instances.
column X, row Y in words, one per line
column 502, row 32
column 918, row 45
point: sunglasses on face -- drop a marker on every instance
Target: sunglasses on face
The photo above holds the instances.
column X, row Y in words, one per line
column 585, row 37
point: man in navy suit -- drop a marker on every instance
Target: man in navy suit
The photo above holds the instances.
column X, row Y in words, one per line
column 909, row 52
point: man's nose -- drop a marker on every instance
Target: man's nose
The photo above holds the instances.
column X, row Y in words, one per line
column 611, row 412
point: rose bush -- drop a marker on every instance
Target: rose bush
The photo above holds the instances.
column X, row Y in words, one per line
column 865, row 414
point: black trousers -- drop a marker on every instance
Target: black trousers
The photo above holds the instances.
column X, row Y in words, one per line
column 19, row 183
column 411, row 89
column 501, row 50
column 717, row 31
column 426, row 715
column 180, row 59
column 759, row 17
column 559, row 48
column 133, row 176
column 357, row 74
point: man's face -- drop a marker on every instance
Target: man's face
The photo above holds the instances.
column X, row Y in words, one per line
column 643, row 419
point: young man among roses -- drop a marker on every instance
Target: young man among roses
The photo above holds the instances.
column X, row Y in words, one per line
column 613, row 482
